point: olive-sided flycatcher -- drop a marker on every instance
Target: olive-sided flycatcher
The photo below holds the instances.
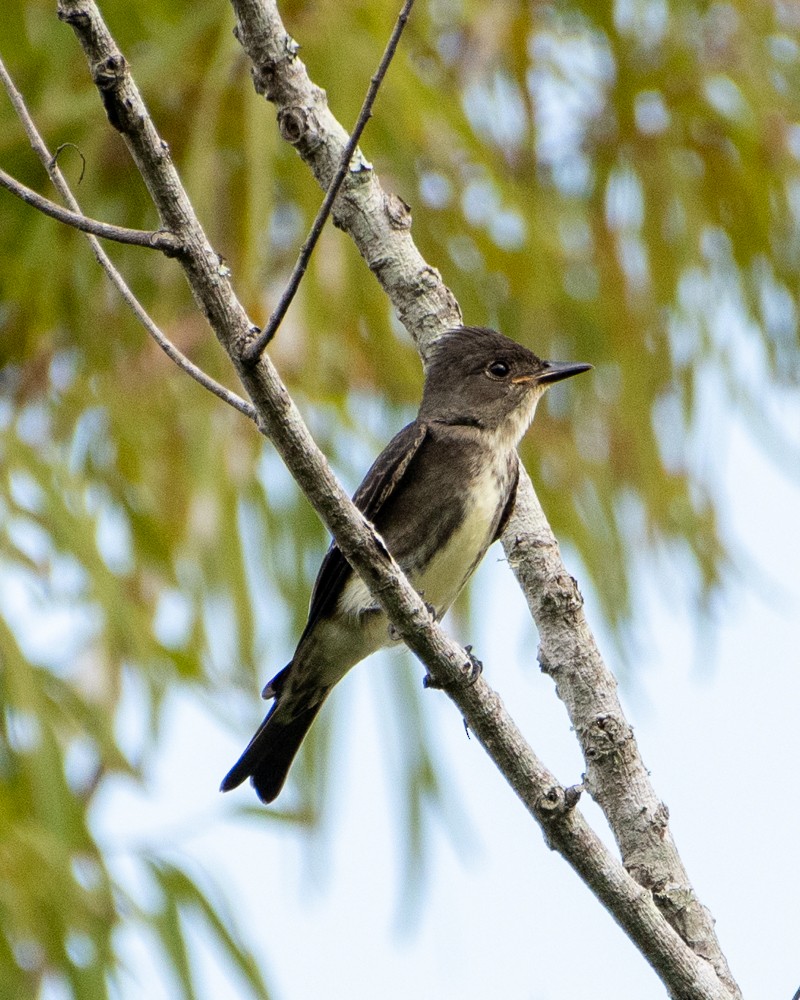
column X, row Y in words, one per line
column 439, row 494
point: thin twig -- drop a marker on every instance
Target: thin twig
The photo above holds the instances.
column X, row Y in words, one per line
column 153, row 240
column 71, row 145
column 253, row 351
column 166, row 345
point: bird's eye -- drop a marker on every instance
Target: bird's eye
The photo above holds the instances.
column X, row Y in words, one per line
column 498, row 369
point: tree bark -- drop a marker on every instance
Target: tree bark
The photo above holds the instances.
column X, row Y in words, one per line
column 615, row 772
column 379, row 224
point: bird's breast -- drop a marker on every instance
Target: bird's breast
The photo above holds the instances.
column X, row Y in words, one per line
column 439, row 527
column 452, row 563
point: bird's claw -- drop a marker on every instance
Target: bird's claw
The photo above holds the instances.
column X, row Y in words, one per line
column 473, row 668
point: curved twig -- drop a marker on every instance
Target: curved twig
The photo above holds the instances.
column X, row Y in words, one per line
column 156, row 240
column 166, row 345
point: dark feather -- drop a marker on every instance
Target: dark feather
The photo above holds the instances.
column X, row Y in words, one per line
column 270, row 753
column 508, row 510
column 378, row 486
column 480, row 391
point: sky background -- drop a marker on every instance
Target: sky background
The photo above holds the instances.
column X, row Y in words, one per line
column 497, row 913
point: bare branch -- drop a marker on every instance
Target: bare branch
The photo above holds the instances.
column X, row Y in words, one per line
column 165, row 242
column 615, row 773
column 566, row 830
column 378, row 222
column 166, row 345
column 617, row 776
column 257, row 346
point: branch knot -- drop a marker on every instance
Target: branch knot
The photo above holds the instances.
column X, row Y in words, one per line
column 75, row 18
column 558, row 801
column 299, row 126
column 397, row 211
column 607, row 735
column 108, row 76
column 562, row 597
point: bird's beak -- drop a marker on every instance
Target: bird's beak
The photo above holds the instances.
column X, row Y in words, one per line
column 555, row 371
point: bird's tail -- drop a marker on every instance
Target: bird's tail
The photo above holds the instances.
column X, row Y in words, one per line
column 269, row 755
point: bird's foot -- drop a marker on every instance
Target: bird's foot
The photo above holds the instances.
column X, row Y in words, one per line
column 473, row 668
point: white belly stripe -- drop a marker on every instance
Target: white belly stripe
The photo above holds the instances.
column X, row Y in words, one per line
column 447, row 572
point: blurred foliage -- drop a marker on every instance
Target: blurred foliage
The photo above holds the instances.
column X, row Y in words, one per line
column 611, row 183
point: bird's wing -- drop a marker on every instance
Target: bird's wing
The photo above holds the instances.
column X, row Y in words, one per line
column 378, row 485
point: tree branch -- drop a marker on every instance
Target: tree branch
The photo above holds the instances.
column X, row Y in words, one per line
column 58, row 179
column 165, row 242
column 378, row 222
column 616, row 775
column 257, row 346
column 685, row 973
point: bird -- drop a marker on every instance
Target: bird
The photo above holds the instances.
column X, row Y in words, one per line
column 439, row 494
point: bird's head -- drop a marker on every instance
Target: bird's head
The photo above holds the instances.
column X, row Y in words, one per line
column 479, row 378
